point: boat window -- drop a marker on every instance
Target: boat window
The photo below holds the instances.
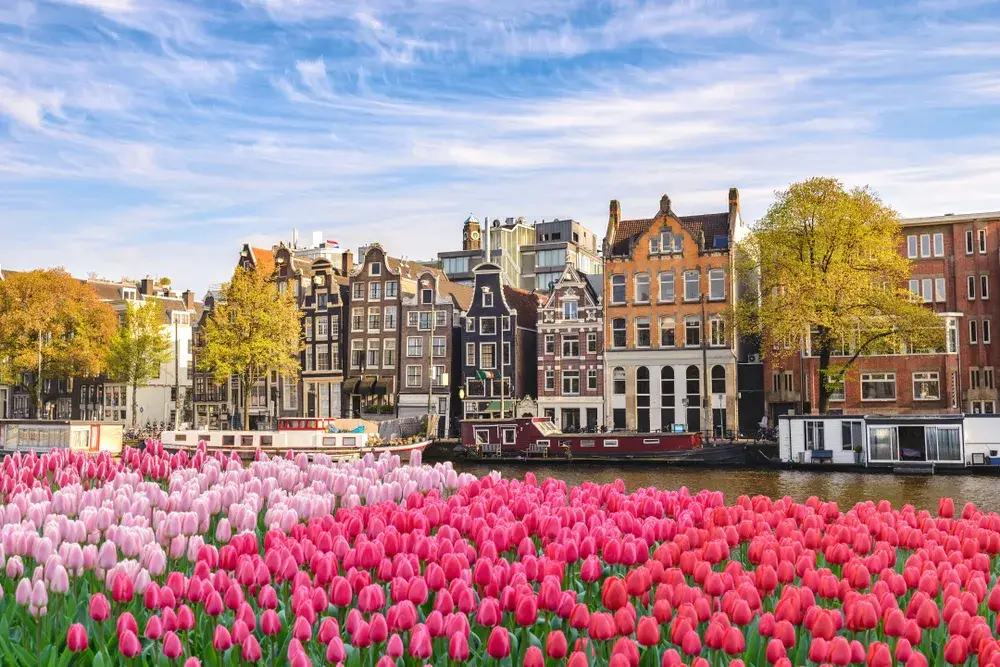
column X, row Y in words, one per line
column 266, row 440
column 610, row 443
column 350, row 441
column 331, row 441
column 586, row 443
column 651, row 441
column 246, row 441
column 180, row 437
column 228, row 440
column 282, row 424
column 508, row 436
column 207, row 437
column 312, row 424
column 482, row 436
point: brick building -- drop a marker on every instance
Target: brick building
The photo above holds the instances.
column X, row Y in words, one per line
column 668, row 282
column 954, row 265
column 571, row 353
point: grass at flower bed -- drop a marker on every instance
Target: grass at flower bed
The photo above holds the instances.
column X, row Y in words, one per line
column 191, row 559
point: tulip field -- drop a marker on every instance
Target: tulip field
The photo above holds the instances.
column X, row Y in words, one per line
column 195, row 559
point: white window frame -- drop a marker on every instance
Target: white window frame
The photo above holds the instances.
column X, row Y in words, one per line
column 673, row 287
column 926, row 377
column 673, row 326
column 973, row 332
column 927, row 288
column 938, row 242
column 470, row 354
column 418, row 381
column 418, row 343
column 974, row 378
column 881, row 378
column 610, row 443
column 322, row 327
column 569, row 376
column 854, row 428
column 550, row 380
column 377, row 313
column 443, row 346
column 986, row 333
column 567, row 341
column 388, row 345
column 915, row 286
column 984, row 286
column 482, row 357
column 322, row 351
column 358, row 291
column 375, row 269
column 988, row 378
column 592, row 343
column 621, row 277
column 571, row 310
column 649, row 330
column 982, row 241
column 971, row 282
column 357, row 345
column 716, row 276
column 815, row 434
column 375, row 291
column 692, row 277
column 487, row 299
column 911, row 246
column 592, row 380
column 373, row 346
column 482, row 326
column 635, row 284
column 385, row 318
column 716, row 325
column 355, row 327
column 939, row 290
column 925, row 246
column 470, row 325
column 970, row 242
column 391, row 289
column 549, row 342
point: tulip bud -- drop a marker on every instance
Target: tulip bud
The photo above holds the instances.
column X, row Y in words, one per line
column 76, row 638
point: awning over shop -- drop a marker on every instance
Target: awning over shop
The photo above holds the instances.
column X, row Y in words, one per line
column 367, row 385
column 381, row 387
column 351, row 385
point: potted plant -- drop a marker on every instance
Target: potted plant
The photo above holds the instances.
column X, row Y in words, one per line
column 857, row 453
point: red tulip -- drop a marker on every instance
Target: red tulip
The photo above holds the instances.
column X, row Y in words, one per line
column 151, row 597
column 526, row 612
column 648, row 631
column 251, row 650
column 533, row 657
column 555, row 645
column 126, row 622
column 302, row 630
column 733, row 643
column 335, row 651
column 76, row 638
column 775, row 650
column 221, row 640
column 840, row 651
column 270, row 624
column 185, row 618
column 122, row 589
column 214, row 605
column 458, row 647
column 577, row 659
column 579, row 618
column 498, row 643
column 154, row 628
column 691, row 643
column 172, row 648
column 239, row 633
column 602, row 626
column 903, row 650
column 671, row 658
column 819, row 649
column 613, row 594
column 946, row 508
column 420, row 642
column 879, row 655
column 100, row 610
column 128, row 644
column 394, row 647
column 956, row 650
column 916, row 659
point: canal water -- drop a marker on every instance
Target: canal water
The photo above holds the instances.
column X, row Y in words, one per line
column 922, row 491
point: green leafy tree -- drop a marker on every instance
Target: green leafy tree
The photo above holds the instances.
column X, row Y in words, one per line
column 826, row 260
column 52, row 325
column 252, row 330
column 139, row 347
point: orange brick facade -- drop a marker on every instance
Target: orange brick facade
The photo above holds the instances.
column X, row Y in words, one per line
column 955, row 261
column 668, row 282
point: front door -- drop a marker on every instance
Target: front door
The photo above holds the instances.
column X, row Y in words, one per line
column 592, row 420
column 694, row 420
column 356, row 406
column 571, row 420
column 719, row 422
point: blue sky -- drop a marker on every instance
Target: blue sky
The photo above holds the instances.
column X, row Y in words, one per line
column 156, row 136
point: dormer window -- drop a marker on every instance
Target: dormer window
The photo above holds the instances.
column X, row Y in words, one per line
column 375, row 269
column 488, row 300
column 128, row 293
column 426, row 296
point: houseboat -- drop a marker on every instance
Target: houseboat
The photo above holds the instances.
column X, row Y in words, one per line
column 24, row 435
column 341, row 438
column 532, row 438
column 891, row 443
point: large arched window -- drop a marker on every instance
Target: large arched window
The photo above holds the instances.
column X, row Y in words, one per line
column 642, row 399
column 718, row 380
column 667, row 399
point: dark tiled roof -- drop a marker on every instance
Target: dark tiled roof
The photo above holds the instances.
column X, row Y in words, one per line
column 525, row 303
column 713, row 224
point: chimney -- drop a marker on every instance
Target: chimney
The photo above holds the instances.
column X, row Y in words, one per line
column 614, row 217
column 347, row 262
column 147, row 287
column 734, row 203
column 665, row 205
column 317, row 239
column 295, row 238
column 188, row 298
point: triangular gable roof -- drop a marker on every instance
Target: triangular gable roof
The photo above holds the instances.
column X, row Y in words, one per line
column 572, row 275
column 712, row 224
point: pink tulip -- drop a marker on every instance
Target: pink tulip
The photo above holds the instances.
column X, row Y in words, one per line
column 76, row 638
column 172, row 648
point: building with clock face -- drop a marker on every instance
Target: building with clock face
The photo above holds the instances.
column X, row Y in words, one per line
column 531, row 255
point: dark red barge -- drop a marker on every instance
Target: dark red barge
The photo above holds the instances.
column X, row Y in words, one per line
column 532, row 438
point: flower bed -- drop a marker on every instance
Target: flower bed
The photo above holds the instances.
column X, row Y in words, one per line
column 185, row 559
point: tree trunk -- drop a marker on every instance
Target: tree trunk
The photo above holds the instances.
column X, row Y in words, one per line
column 246, row 406
column 38, row 398
column 135, row 407
column 824, row 365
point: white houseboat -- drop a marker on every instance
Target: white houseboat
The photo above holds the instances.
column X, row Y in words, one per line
column 336, row 437
column 42, row 435
column 904, row 443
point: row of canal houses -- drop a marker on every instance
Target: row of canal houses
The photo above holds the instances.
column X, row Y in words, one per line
column 626, row 349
